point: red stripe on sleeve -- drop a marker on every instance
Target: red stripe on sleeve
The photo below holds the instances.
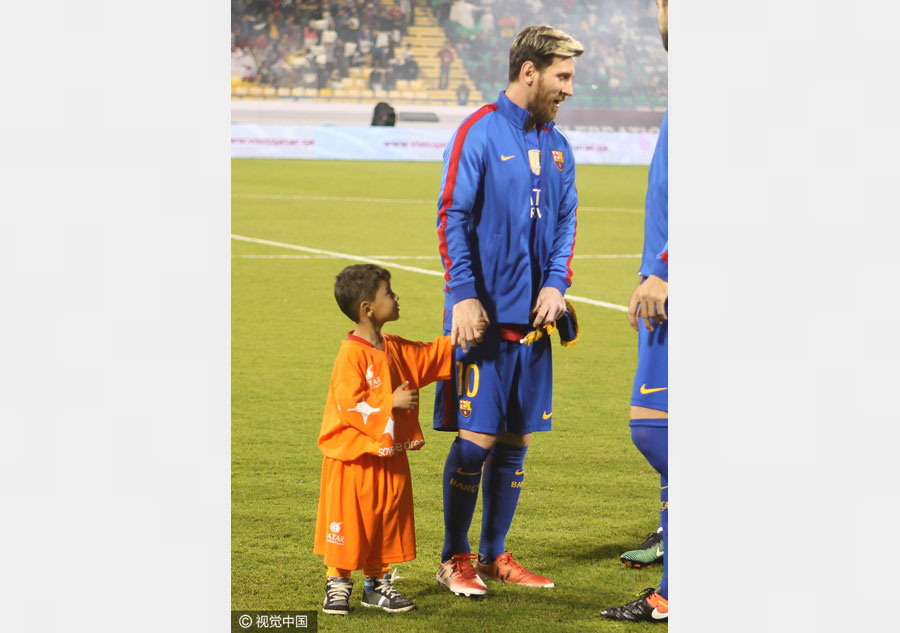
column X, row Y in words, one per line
column 450, row 184
column 665, row 256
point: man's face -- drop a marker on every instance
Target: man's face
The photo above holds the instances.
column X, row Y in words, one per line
column 550, row 89
column 663, row 17
column 386, row 305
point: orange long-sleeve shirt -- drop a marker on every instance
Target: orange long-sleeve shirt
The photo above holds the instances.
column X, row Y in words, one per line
column 359, row 417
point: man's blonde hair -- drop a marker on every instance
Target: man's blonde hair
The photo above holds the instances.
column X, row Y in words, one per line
column 539, row 44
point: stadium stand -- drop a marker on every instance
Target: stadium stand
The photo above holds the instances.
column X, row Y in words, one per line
column 342, row 51
column 366, row 51
column 623, row 67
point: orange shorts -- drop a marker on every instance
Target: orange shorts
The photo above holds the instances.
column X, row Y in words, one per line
column 365, row 516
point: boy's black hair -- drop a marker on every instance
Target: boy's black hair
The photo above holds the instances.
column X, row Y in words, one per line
column 356, row 284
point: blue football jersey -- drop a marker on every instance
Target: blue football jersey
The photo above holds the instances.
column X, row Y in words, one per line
column 655, row 260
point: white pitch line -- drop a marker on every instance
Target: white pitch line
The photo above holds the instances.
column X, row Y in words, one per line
column 420, row 257
column 611, row 209
column 413, row 269
column 276, row 196
column 356, row 258
column 609, row 256
column 282, row 257
column 431, row 257
column 594, row 302
column 428, row 257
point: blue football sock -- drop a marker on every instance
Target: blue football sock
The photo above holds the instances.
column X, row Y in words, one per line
column 651, row 436
column 663, row 589
column 663, row 497
column 462, row 474
column 652, row 439
column 503, row 476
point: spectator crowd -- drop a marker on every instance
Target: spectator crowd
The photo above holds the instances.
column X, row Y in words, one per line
column 623, row 63
column 315, row 43
column 311, row 43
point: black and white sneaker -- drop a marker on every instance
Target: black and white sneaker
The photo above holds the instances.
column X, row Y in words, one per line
column 337, row 595
column 385, row 596
column 649, row 607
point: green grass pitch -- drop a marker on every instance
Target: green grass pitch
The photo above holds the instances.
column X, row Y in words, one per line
column 588, row 495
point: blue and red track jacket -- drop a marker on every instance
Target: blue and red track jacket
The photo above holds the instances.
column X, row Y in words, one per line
column 655, row 259
column 506, row 231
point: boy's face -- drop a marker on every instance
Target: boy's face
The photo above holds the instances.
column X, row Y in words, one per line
column 386, row 305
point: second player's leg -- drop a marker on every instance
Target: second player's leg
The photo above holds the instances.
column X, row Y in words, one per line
column 529, row 409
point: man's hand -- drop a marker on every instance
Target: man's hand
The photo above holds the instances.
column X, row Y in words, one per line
column 406, row 398
column 470, row 320
column 549, row 306
column 648, row 302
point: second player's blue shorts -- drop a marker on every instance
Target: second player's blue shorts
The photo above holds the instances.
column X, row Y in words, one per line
column 498, row 386
column 651, row 380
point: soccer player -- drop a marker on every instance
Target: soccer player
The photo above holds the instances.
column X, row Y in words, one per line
column 506, row 227
column 365, row 517
column 647, row 313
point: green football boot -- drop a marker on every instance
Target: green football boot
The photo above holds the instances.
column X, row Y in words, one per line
column 648, row 553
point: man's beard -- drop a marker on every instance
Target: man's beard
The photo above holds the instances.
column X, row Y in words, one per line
column 540, row 109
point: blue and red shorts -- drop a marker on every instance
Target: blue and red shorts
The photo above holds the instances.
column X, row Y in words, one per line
column 499, row 386
column 651, row 380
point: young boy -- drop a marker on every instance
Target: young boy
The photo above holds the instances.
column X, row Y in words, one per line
column 365, row 519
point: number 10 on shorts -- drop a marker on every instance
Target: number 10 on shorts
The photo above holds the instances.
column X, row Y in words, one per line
column 470, row 374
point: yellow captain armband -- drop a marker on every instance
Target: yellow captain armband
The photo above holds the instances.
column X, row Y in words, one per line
column 535, row 335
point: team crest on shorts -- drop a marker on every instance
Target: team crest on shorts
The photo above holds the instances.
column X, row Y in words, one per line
column 465, row 407
column 558, row 159
column 534, row 161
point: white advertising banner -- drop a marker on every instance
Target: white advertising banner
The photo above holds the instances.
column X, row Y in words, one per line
column 413, row 144
column 612, row 148
column 272, row 141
